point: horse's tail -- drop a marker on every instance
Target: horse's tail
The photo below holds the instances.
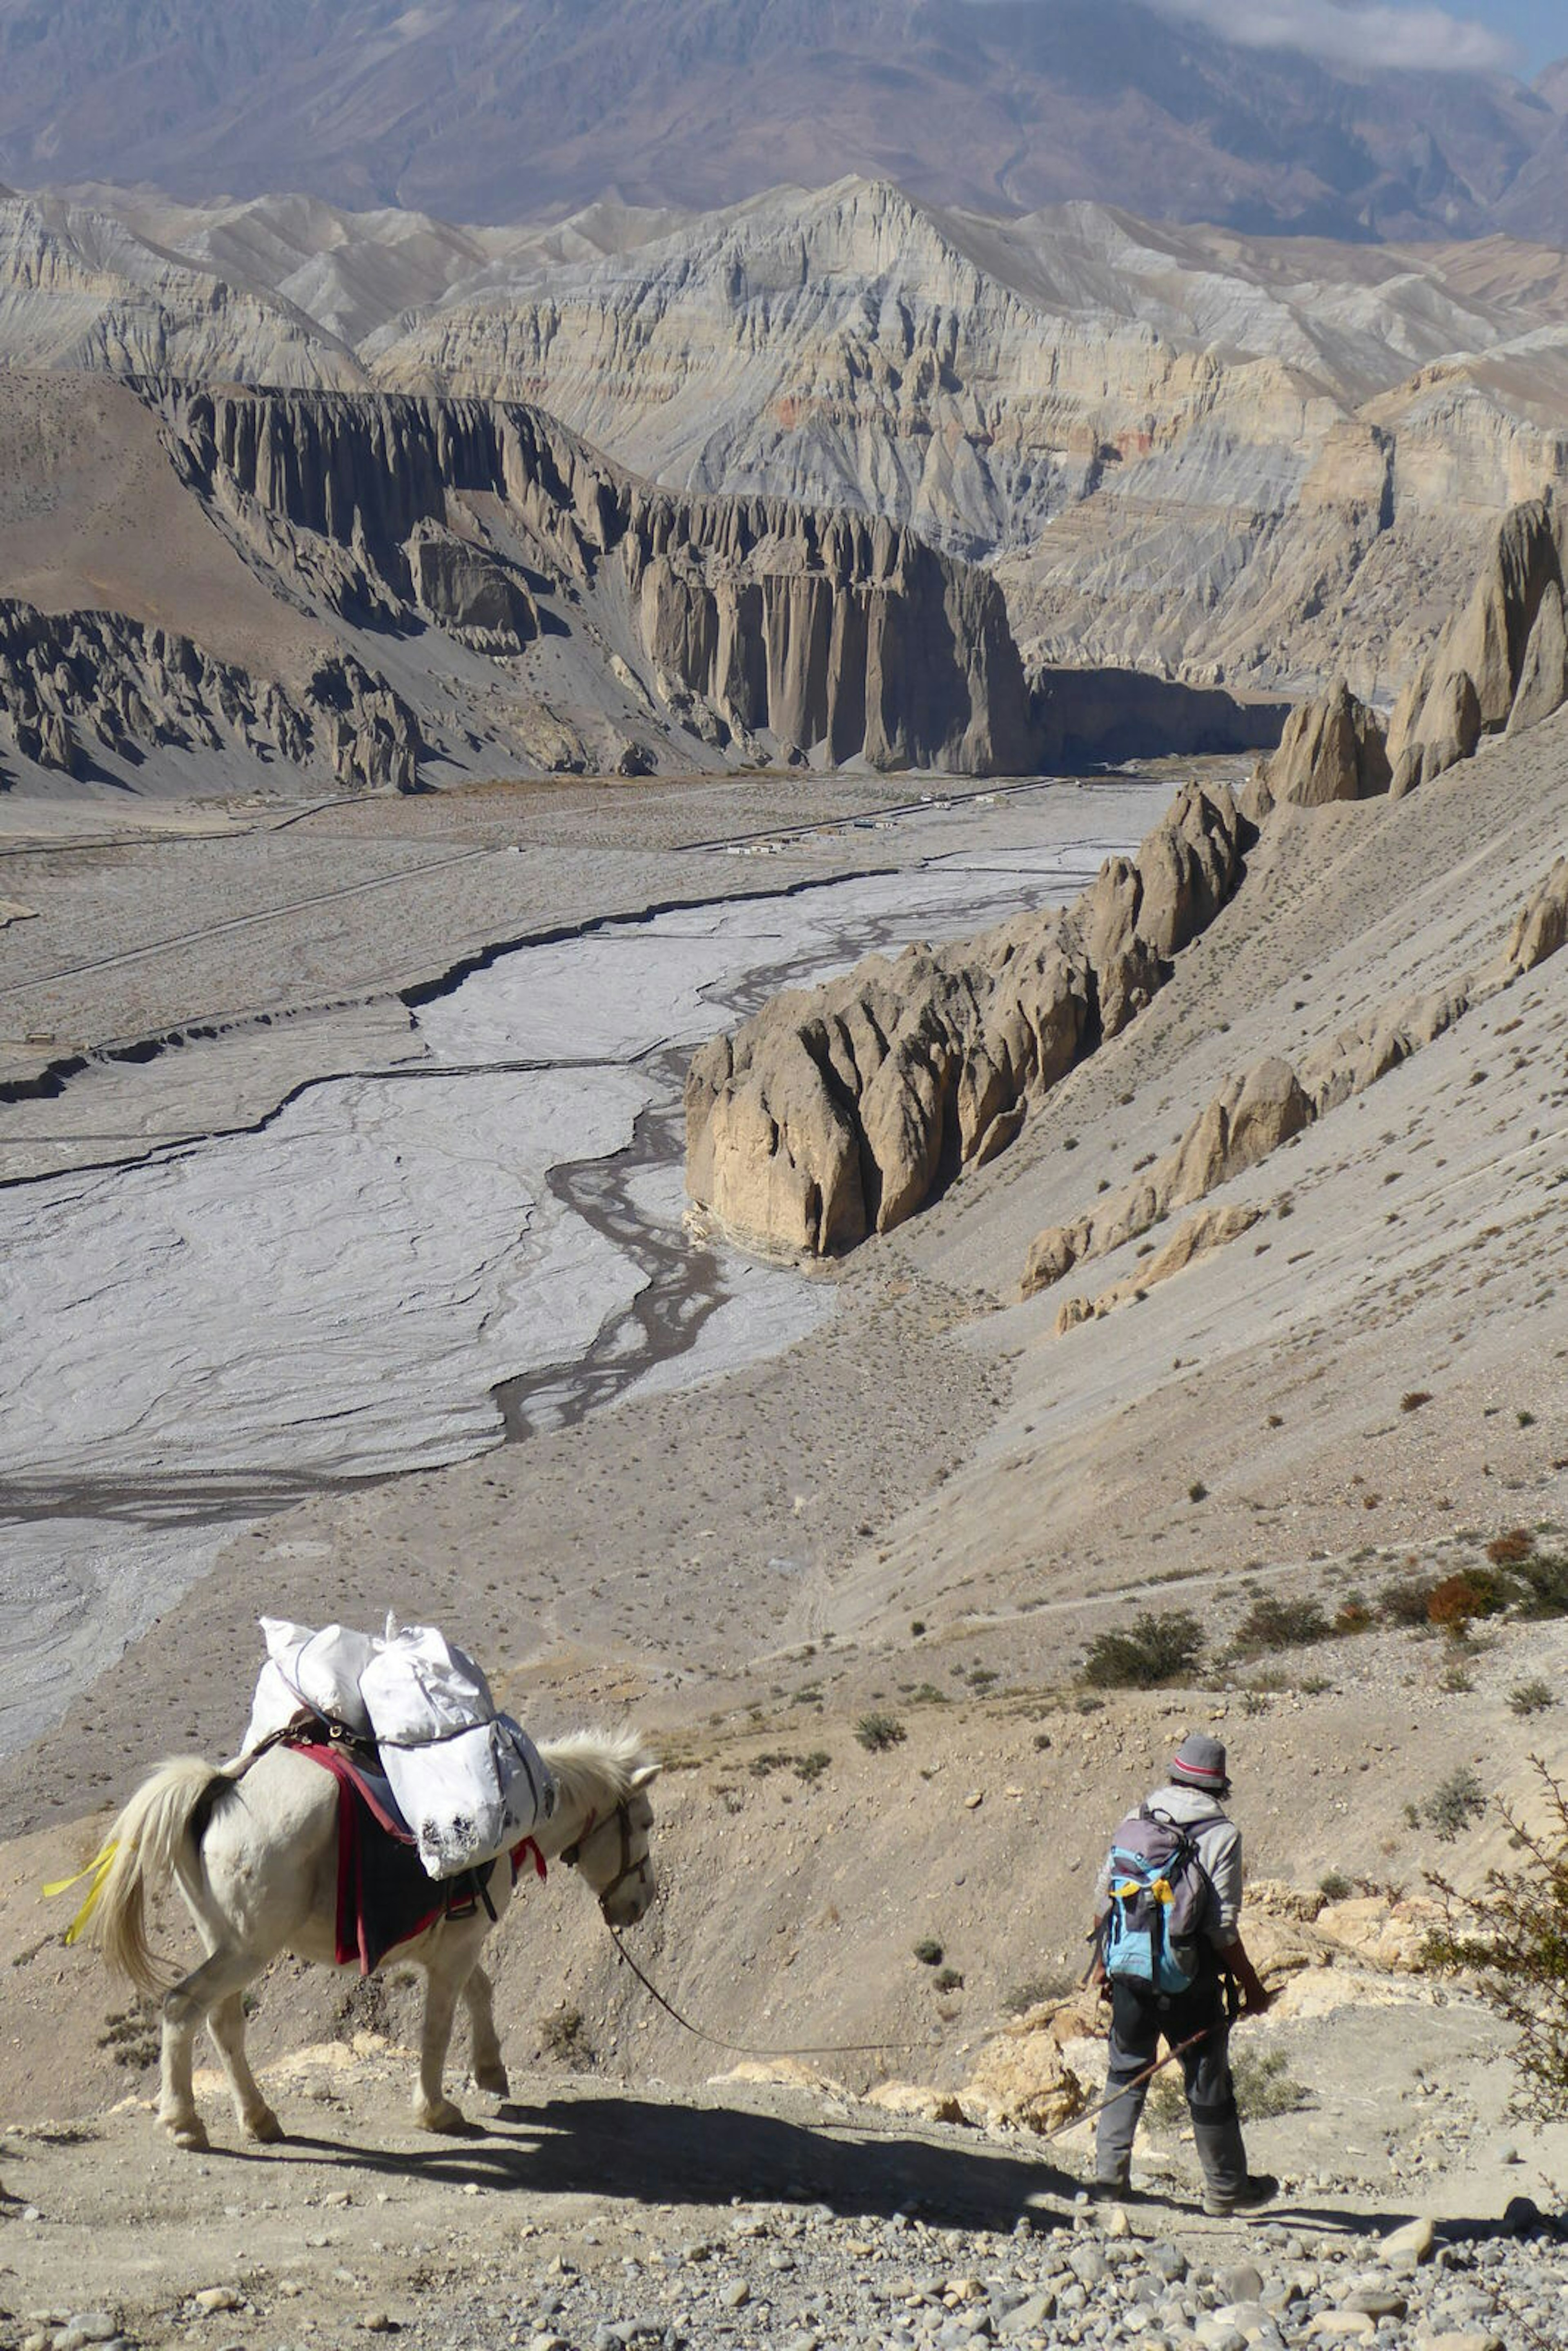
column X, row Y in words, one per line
column 151, row 1842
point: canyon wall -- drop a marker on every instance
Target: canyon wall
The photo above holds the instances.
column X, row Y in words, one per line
column 838, row 1111
column 421, row 587
column 821, row 630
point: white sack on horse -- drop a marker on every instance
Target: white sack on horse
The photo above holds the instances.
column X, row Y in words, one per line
column 468, row 1780
column 318, row 1670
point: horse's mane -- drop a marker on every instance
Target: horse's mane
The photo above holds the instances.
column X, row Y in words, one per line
column 594, row 1767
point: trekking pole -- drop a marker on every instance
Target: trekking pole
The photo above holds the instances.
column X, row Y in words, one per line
column 1128, row 2087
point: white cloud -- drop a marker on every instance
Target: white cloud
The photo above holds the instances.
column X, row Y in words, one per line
column 1364, row 33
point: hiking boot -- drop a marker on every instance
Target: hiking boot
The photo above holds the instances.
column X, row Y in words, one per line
column 1110, row 2191
column 1259, row 2188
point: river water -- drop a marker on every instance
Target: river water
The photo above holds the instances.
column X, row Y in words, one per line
column 407, row 1265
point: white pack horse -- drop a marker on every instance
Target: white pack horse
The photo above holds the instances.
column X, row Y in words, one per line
column 255, row 1856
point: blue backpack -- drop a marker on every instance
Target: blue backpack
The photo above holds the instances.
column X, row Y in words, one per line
column 1151, row 1936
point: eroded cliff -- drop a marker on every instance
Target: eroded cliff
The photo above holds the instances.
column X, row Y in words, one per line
column 1499, row 666
column 838, row 1111
column 479, row 587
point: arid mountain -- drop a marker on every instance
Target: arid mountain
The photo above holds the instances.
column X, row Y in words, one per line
column 1188, row 451
column 497, row 109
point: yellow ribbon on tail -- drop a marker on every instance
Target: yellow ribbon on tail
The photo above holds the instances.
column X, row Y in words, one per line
column 98, row 1869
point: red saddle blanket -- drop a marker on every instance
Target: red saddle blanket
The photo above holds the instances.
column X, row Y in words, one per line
column 384, row 1895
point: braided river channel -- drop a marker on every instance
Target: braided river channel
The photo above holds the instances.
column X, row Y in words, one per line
column 404, row 1266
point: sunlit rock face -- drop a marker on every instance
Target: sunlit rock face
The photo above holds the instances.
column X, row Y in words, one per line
column 837, row 1112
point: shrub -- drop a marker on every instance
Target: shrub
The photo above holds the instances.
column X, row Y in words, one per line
column 1509, row 1550
column 877, row 1732
column 1264, row 2089
column 1197, row 1491
column 1459, row 1599
column 1356, row 1617
column 1513, row 1937
column 1034, row 1992
column 1544, row 1580
column 1275, row 1623
column 948, row 1979
column 1456, row 1678
column 562, row 2037
column 1414, row 1398
column 1405, row 1603
column 1335, row 1886
column 1531, row 1697
column 133, row 2036
column 1451, row 1807
column 1154, row 1651
column 812, row 1766
column 928, row 1952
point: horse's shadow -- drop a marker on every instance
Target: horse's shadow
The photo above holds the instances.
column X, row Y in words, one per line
column 665, row 2152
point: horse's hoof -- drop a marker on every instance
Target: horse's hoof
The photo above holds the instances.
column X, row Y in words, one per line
column 493, row 2082
column 443, row 2117
column 192, row 2134
column 264, row 2127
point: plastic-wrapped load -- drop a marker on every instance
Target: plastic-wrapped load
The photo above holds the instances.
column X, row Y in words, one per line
column 468, row 1780
column 314, row 1672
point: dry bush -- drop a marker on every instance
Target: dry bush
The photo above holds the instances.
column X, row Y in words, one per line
column 1279, row 1624
column 1512, row 1937
column 1153, row 1650
column 1533, row 1697
column 1405, row 1603
column 1544, row 1581
column 1264, row 2089
column 1459, row 1599
column 564, row 2040
column 1452, row 1806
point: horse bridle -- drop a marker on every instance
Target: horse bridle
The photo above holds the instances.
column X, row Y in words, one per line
column 572, row 1854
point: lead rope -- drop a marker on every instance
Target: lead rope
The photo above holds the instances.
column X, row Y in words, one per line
column 873, row 2048
column 748, row 2048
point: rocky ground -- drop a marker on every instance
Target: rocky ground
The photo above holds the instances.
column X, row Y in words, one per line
column 591, row 2218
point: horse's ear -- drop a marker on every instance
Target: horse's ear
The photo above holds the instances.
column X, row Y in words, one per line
column 645, row 1774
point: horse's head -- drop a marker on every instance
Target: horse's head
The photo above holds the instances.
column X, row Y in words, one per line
column 612, row 1853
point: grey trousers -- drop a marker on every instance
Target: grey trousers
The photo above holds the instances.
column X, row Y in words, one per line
column 1139, row 2023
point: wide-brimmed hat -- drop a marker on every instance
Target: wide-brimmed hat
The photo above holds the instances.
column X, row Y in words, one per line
column 1200, row 1762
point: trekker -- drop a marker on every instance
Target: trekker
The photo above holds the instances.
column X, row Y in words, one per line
column 1195, row 1899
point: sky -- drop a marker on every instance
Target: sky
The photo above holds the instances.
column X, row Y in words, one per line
column 1515, row 35
column 1539, row 26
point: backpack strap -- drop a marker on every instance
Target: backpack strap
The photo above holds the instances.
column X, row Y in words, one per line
column 1188, row 1844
